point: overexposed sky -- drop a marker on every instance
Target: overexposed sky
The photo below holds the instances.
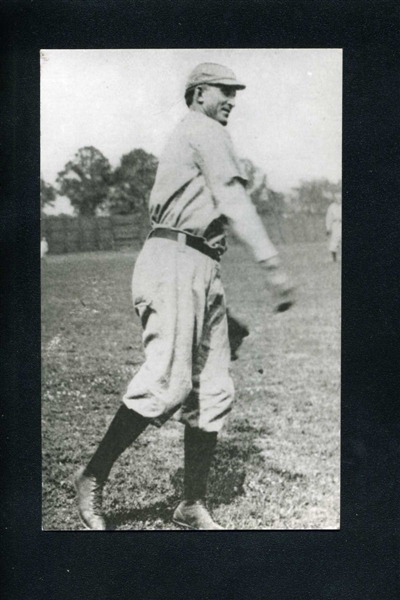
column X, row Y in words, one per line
column 288, row 120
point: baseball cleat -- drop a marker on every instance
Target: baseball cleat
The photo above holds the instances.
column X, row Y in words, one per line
column 194, row 515
column 90, row 491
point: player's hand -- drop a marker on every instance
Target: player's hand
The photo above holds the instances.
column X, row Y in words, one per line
column 279, row 284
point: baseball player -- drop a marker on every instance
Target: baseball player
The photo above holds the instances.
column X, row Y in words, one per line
column 44, row 247
column 333, row 224
column 177, row 292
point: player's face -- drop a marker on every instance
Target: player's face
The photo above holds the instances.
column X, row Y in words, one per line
column 218, row 101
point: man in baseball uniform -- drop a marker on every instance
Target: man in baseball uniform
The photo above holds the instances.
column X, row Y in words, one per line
column 178, row 295
column 44, row 247
column 333, row 224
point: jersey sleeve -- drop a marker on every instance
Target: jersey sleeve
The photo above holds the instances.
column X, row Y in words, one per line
column 215, row 155
column 217, row 160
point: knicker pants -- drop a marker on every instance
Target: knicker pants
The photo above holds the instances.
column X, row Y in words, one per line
column 178, row 295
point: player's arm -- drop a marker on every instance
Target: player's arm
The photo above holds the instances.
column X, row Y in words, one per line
column 246, row 224
column 218, row 163
column 234, row 202
column 223, row 174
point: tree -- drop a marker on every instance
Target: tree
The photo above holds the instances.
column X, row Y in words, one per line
column 314, row 196
column 265, row 199
column 276, row 202
column 47, row 194
column 132, row 183
column 85, row 180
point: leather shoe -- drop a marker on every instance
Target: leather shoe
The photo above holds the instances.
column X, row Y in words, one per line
column 194, row 515
column 90, row 491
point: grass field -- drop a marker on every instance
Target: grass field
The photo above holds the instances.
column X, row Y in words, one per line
column 278, row 461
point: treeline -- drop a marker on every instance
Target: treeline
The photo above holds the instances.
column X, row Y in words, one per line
column 94, row 188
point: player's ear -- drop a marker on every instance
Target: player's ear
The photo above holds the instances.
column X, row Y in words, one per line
column 198, row 94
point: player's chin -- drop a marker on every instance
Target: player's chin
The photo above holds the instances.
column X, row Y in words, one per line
column 223, row 118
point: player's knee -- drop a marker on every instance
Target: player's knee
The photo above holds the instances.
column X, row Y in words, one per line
column 226, row 388
column 219, row 392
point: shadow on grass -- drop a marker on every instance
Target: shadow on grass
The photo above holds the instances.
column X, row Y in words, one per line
column 158, row 511
column 227, row 478
column 233, row 457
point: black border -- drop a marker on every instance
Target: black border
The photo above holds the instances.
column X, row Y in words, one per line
column 360, row 561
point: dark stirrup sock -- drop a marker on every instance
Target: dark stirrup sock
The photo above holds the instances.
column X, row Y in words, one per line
column 199, row 452
column 126, row 426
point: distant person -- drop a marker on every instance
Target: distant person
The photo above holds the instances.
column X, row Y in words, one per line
column 333, row 224
column 178, row 294
column 44, row 247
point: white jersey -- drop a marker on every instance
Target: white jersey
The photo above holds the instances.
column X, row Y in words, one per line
column 194, row 190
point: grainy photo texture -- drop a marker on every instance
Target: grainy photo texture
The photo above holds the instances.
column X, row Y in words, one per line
column 203, row 392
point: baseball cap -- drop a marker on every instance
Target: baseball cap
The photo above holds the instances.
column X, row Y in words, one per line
column 214, row 74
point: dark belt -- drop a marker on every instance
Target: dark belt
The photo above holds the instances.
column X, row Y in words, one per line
column 188, row 239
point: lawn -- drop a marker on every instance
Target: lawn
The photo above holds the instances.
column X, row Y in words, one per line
column 278, row 461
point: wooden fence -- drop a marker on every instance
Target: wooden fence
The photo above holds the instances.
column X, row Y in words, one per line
column 82, row 234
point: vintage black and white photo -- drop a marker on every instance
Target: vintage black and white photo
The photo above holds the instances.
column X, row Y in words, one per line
column 190, row 282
